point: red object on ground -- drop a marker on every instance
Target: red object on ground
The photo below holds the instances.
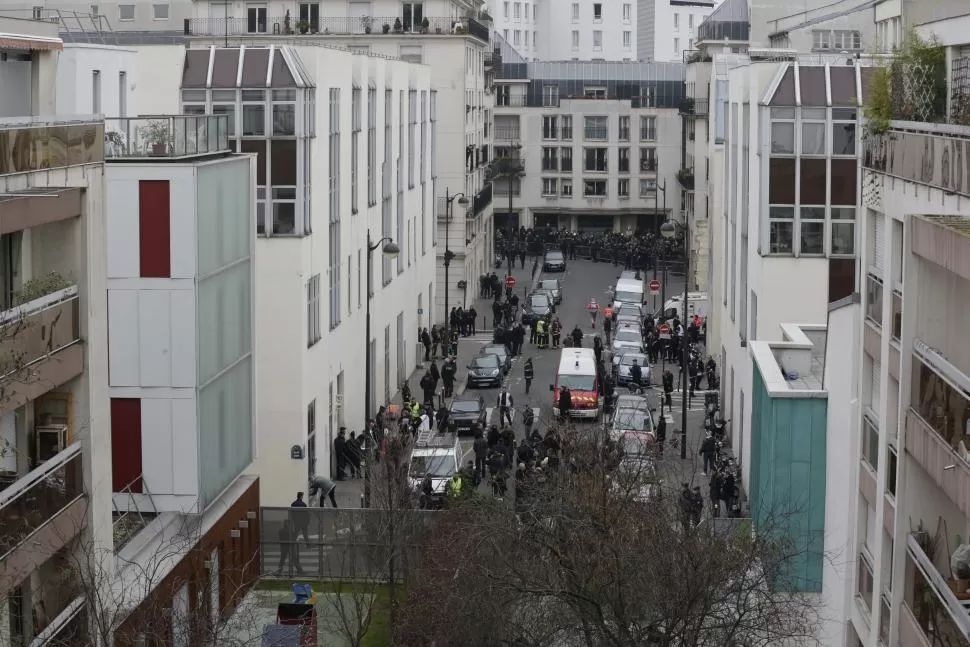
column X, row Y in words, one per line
column 510, row 282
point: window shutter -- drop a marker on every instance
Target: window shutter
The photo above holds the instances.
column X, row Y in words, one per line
column 879, row 240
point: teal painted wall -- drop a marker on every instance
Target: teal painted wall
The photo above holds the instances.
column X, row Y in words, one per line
column 788, row 462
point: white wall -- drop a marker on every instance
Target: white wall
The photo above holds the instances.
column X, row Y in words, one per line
column 672, row 39
column 15, row 79
column 154, row 91
column 116, row 67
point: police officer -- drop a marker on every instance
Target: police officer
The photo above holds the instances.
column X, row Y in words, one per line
column 528, row 372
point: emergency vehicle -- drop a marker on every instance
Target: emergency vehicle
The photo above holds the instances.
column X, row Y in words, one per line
column 577, row 372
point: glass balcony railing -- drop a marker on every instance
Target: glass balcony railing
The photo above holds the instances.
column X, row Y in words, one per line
column 34, row 499
column 166, row 136
column 940, row 612
column 38, row 329
column 41, row 144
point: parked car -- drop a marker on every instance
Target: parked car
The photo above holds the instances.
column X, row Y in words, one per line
column 538, row 305
column 626, row 320
column 630, row 309
column 629, row 275
column 468, row 410
column 503, row 352
column 626, row 362
column 485, row 370
column 627, row 338
column 631, row 416
column 554, row 262
column 552, row 286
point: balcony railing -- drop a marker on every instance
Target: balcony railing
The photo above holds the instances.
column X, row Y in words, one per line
column 501, row 134
column 40, row 144
column 346, row 26
column 938, row 611
column 33, row 500
column 38, row 329
column 166, row 136
column 946, row 467
column 482, row 199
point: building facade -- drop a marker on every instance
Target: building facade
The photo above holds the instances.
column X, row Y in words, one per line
column 668, row 28
column 598, row 144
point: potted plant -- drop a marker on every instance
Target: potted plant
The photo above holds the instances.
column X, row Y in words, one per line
column 398, row 27
column 367, row 23
column 686, row 178
column 156, row 134
column 425, row 24
column 459, row 29
column 386, row 28
column 303, row 27
column 286, row 23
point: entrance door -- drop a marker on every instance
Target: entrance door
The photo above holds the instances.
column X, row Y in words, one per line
column 310, row 14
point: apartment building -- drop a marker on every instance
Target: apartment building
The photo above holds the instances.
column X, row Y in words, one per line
column 546, row 30
column 668, row 28
column 445, row 35
column 912, row 510
column 599, row 144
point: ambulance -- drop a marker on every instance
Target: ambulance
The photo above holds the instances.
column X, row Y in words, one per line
column 577, row 372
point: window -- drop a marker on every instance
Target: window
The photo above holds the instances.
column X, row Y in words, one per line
column 865, row 580
column 412, row 134
column 550, row 127
column 566, row 160
column 254, row 113
column 256, row 19
column 843, row 131
column 575, row 39
column 413, row 15
column 597, row 11
column 813, row 131
column 648, row 160
column 567, row 127
column 549, row 187
column 690, row 21
column 891, row 471
column 597, row 40
column 159, row 12
column 37, row 13
column 526, row 33
column 506, row 9
column 648, row 187
column 596, row 159
column 123, row 100
column 126, row 12
column 811, row 225
column 284, row 112
column 550, row 159
column 550, row 96
column 676, row 21
column 334, row 210
column 623, row 188
column 595, row 128
column 575, row 12
column 822, row 39
column 517, row 13
column 676, row 45
column 96, row 92
column 846, row 39
column 843, row 231
column 594, row 188
column 627, row 12
column 313, row 311
column 566, row 187
column 874, row 294
column 897, row 315
column 623, row 133
column 623, row 160
column 371, row 147
column 870, row 443
column 648, row 129
column 355, row 115
column 517, row 38
column 505, row 34
column 627, row 40
column 781, row 229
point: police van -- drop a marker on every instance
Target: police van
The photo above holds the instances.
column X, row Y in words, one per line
column 577, row 372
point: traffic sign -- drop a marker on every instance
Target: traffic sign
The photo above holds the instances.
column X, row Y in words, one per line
column 510, row 282
column 654, row 287
column 664, row 331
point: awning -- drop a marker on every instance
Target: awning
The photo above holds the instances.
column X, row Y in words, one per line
column 24, row 41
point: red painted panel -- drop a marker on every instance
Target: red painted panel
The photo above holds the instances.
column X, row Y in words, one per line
column 125, row 443
column 154, row 229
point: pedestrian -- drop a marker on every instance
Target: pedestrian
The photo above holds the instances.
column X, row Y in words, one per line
column 668, row 382
column 480, row 446
column 697, row 505
column 301, row 519
column 448, row 371
column 354, row 453
column 565, row 402
column 715, row 493
column 426, row 340
column 528, row 372
column 325, row 488
column 505, row 404
column 288, row 555
column 686, row 506
column 607, row 326
column 556, row 329
column 340, row 452
column 708, row 451
column 661, row 434
column 636, row 374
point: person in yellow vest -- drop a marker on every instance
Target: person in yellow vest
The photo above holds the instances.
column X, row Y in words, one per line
column 541, row 339
column 454, row 489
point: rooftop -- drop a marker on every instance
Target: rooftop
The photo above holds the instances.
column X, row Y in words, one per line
column 166, row 137
column 728, row 22
column 795, row 366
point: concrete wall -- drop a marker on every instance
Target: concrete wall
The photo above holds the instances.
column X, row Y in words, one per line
column 117, row 73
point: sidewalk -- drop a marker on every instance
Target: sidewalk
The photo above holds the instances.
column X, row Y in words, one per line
column 350, row 491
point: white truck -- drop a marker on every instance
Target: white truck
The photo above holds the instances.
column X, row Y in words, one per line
column 697, row 303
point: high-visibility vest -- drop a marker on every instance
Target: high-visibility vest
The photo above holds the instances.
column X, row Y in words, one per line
column 593, row 306
column 454, row 487
column 608, row 312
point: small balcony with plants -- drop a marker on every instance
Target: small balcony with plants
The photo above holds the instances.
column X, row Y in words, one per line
column 685, row 176
column 936, row 591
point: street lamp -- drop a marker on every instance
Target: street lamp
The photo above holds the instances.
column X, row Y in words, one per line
column 669, row 230
column 391, row 250
column 463, row 201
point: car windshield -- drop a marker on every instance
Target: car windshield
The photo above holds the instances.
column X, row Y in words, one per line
column 578, row 382
column 629, row 358
column 433, row 466
column 466, row 406
column 539, row 301
column 486, row 361
column 628, row 310
column 549, row 285
column 635, row 444
column 554, row 256
column 633, row 419
column 629, row 297
column 494, row 350
column 627, row 335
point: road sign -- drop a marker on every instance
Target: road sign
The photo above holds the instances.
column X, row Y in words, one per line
column 510, row 282
column 654, row 287
column 664, row 331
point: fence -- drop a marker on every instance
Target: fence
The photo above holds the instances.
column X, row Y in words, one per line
column 346, row 544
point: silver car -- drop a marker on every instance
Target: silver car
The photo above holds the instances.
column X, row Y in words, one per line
column 627, row 338
column 553, row 287
column 625, row 363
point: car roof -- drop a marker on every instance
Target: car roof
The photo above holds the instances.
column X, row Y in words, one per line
column 628, row 274
column 624, row 285
column 477, row 399
column 556, row 281
column 575, row 361
column 554, row 252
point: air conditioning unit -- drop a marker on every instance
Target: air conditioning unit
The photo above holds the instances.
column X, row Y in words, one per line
column 49, row 441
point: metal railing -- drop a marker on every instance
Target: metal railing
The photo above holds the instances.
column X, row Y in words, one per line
column 482, row 199
column 37, row 329
column 164, row 136
column 337, row 26
column 128, row 523
column 504, row 134
column 516, row 101
column 37, row 497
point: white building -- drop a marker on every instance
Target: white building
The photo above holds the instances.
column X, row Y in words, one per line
column 667, row 28
column 551, row 30
column 599, row 143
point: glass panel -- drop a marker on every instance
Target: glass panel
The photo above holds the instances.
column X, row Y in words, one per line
column 812, row 237
column 254, row 120
column 224, row 319
column 944, row 408
column 843, row 139
column 897, row 315
column 781, row 236
column 783, row 138
column 223, row 214
column 781, row 181
column 284, row 119
column 813, row 139
column 230, row 111
column 843, row 238
column 874, row 299
column 225, row 413
column 36, row 505
column 812, row 181
column 254, row 95
column 870, row 446
column 844, row 181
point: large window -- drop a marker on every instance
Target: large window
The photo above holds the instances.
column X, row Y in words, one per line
column 623, row 188
column 594, row 188
column 550, row 160
column 567, row 127
column 313, row 332
column 623, row 129
column 566, row 159
column 648, row 160
column 596, row 159
column 549, row 186
column 254, row 113
column 874, row 296
column 284, row 112
column 648, row 129
column 371, row 147
column 813, row 131
column 412, row 133
column 781, row 229
column 843, row 131
column 596, row 128
column 944, row 407
column 355, row 110
column 870, row 443
column 623, row 160
column 550, row 127
column 334, row 216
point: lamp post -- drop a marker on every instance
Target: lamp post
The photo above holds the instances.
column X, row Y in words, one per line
column 391, row 250
column 463, row 201
column 661, row 188
column 669, row 230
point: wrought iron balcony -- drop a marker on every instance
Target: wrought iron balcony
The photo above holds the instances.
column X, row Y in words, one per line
column 482, row 199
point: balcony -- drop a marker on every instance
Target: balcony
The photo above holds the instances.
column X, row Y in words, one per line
column 346, row 26
column 482, row 199
column 40, row 345
column 506, row 101
column 922, row 153
column 948, row 469
column 933, row 614
column 166, row 137
column 686, row 178
column 39, row 514
column 41, row 144
column 501, row 134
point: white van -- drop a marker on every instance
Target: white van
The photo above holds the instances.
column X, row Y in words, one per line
column 697, row 303
column 628, row 291
column 577, row 372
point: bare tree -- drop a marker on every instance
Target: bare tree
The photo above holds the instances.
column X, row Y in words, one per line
column 603, row 554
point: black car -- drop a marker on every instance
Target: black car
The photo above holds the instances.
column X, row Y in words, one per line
column 504, row 355
column 537, row 306
column 485, row 370
column 554, row 262
column 466, row 411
